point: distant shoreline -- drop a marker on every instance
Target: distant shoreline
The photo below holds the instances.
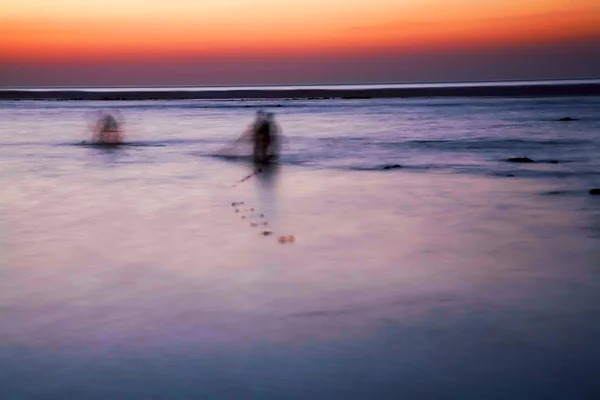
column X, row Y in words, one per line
column 531, row 90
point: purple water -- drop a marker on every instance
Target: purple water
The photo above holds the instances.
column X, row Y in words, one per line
column 126, row 272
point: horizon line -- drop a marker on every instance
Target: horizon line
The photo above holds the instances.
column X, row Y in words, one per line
column 19, row 87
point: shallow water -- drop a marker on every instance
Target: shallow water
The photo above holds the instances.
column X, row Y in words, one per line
column 126, row 272
column 443, row 135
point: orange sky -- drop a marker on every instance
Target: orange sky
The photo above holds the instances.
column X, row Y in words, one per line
column 59, row 30
column 73, row 28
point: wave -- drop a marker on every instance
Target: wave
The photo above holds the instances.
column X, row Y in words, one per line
column 492, row 143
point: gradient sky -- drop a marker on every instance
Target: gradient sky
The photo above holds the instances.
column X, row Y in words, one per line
column 194, row 42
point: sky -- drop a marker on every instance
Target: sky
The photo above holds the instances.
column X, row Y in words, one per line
column 236, row 42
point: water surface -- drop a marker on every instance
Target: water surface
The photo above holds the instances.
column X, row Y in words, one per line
column 126, row 272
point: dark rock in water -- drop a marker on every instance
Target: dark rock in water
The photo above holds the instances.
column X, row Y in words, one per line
column 520, row 160
column 555, row 192
column 510, row 175
column 595, row 191
column 552, row 161
column 567, row 119
column 278, row 105
column 394, row 166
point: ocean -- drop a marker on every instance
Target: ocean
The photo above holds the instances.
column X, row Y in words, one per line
column 423, row 263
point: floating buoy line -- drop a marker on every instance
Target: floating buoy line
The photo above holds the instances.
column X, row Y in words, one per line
column 258, row 219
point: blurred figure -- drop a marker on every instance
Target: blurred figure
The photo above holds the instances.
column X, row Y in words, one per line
column 107, row 131
column 249, row 132
column 265, row 140
column 263, row 137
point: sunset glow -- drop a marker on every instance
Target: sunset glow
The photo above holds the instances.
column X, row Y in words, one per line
column 133, row 30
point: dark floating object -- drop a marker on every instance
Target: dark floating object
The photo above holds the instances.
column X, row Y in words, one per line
column 392, row 166
column 520, row 160
column 595, row 191
column 266, row 233
column 552, row 161
column 565, row 119
column 510, row 175
column 555, row 192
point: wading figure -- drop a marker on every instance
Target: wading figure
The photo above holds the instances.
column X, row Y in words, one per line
column 107, row 131
column 265, row 138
